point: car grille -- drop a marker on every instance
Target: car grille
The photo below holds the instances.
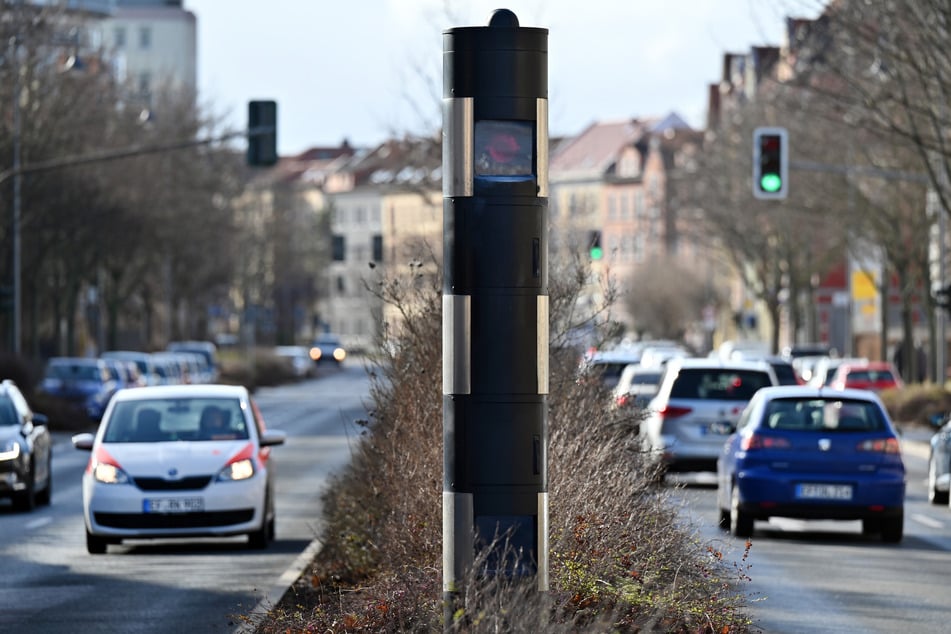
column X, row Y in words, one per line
column 174, row 520
column 192, row 483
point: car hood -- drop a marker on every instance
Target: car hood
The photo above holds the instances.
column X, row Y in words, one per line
column 9, row 431
column 175, row 459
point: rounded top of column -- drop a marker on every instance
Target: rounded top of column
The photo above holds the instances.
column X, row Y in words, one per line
column 503, row 18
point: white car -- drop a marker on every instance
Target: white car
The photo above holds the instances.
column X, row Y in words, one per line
column 179, row 461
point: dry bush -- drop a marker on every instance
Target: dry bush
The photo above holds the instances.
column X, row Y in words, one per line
column 620, row 559
column 916, row 403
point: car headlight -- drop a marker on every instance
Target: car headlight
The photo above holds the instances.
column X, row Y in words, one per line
column 340, row 354
column 105, row 469
column 9, row 450
column 109, row 474
column 238, row 470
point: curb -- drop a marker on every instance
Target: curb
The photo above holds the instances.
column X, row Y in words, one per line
column 278, row 589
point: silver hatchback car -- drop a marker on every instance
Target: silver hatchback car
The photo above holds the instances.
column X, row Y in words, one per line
column 696, row 408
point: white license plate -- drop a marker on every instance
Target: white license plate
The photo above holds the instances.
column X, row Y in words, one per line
column 824, row 491
column 173, row 505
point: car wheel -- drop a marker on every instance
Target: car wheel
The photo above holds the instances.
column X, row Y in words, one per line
column 893, row 529
column 934, row 495
column 26, row 500
column 95, row 545
column 46, row 495
column 741, row 524
column 724, row 522
column 258, row 540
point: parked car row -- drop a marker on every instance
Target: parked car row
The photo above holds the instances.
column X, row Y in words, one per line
column 89, row 383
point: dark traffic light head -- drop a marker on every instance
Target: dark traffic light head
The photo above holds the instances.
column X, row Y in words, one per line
column 770, row 163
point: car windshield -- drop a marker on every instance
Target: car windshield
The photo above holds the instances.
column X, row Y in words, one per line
column 718, row 384
column 175, row 419
column 73, row 372
column 823, row 414
column 8, row 412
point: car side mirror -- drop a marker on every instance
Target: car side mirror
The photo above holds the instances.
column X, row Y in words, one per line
column 272, row 437
column 938, row 420
column 83, row 441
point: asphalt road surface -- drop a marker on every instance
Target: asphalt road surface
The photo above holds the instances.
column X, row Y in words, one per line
column 49, row 584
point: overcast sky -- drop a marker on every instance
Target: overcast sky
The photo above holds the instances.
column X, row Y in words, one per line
column 366, row 69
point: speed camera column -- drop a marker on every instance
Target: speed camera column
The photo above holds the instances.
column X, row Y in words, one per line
column 495, row 300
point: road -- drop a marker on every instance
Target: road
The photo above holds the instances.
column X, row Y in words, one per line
column 803, row 576
column 824, row 576
column 49, row 584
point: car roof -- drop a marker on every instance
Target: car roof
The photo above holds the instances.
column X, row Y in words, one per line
column 76, row 361
column 810, row 391
column 182, row 391
column 713, row 362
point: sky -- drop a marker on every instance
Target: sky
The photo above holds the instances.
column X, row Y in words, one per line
column 366, row 70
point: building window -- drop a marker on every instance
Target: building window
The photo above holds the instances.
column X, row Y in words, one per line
column 341, row 285
column 145, row 37
column 377, row 248
column 339, row 248
column 625, row 206
column 119, row 34
column 145, row 83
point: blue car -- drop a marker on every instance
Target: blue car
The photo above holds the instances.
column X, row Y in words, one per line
column 813, row 453
column 85, row 383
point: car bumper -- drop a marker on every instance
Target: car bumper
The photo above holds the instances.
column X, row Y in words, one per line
column 679, row 455
column 228, row 508
column 765, row 494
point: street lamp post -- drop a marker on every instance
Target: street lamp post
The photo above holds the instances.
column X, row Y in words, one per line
column 17, row 179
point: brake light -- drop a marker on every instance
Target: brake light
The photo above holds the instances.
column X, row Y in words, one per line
column 758, row 441
column 672, row 411
column 880, row 445
column 622, row 400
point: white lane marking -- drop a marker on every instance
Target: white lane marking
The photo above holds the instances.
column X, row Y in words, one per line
column 38, row 522
column 930, row 522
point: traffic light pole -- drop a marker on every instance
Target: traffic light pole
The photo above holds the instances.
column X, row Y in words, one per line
column 495, row 303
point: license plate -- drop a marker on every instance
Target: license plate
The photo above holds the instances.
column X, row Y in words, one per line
column 719, row 428
column 824, row 491
column 173, row 505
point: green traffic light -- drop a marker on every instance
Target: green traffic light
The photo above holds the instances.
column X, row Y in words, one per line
column 771, row 183
column 597, row 253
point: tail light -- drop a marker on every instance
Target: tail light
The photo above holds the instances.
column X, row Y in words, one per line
column 759, row 441
column 880, row 445
column 672, row 411
column 623, row 400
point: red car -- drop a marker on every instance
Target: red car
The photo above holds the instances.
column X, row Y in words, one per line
column 870, row 375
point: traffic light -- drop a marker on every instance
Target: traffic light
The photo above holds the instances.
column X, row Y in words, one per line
column 770, row 163
column 942, row 298
column 595, row 250
column 262, row 133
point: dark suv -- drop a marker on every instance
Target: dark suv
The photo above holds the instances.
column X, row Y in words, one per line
column 25, row 451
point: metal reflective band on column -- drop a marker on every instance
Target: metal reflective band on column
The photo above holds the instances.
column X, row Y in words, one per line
column 456, row 525
column 541, row 342
column 543, row 580
column 457, row 143
column 542, row 156
column 456, row 344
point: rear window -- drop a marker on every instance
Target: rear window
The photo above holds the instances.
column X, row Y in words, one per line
column 718, row 384
column 871, row 376
column 785, row 374
column 823, row 414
